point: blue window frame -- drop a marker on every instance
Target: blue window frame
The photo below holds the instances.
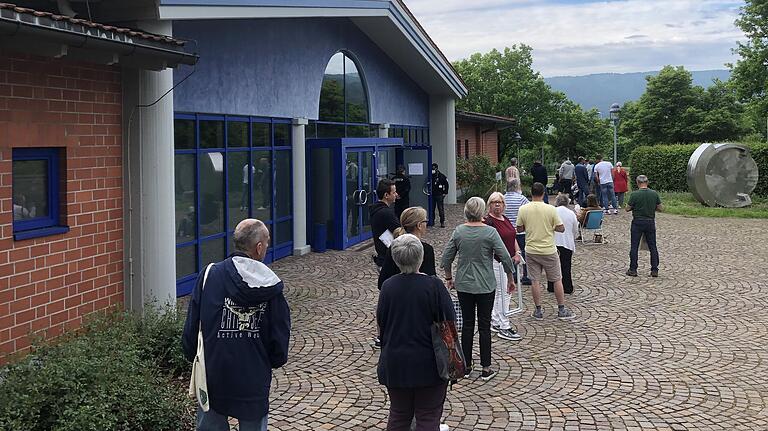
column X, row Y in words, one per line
column 412, row 135
column 229, row 168
column 37, row 187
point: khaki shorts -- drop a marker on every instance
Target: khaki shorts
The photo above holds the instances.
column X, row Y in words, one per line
column 549, row 263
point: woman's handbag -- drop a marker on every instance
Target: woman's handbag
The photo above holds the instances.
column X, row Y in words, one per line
column 198, row 382
column 459, row 315
column 449, row 357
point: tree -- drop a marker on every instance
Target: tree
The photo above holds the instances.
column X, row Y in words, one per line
column 749, row 76
column 504, row 83
column 579, row 133
column 673, row 110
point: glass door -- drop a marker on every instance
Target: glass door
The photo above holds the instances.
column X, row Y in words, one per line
column 418, row 166
column 359, row 194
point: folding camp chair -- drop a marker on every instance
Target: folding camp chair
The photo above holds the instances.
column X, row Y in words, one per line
column 592, row 222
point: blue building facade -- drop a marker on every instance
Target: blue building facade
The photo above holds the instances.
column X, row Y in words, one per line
column 293, row 119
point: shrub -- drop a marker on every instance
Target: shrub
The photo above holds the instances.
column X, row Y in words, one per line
column 666, row 165
column 107, row 377
column 476, row 176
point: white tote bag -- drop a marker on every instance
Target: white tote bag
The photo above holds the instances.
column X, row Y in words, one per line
column 198, row 383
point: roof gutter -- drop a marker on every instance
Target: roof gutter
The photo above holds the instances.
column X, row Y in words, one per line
column 90, row 38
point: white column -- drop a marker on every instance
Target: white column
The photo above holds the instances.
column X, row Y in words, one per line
column 384, row 130
column 150, row 261
column 300, row 246
column 442, row 136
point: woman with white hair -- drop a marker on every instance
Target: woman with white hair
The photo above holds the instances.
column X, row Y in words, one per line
column 475, row 244
column 565, row 242
column 408, row 304
column 497, row 220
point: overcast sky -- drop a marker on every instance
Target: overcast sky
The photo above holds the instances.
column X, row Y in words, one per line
column 578, row 37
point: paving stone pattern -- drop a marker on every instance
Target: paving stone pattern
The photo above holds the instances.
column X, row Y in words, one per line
column 685, row 351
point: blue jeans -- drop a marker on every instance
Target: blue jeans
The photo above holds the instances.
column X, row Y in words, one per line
column 639, row 228
column 606, row 192
column 212, row 421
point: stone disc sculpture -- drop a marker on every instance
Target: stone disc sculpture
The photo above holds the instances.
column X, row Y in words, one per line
column 722, row 175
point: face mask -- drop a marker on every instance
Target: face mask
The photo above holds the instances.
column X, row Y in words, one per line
column 434, row 172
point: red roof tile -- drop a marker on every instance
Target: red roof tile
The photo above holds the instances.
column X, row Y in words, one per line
column 91, row 24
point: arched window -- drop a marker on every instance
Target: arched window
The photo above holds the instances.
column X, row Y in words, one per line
column 343, row 98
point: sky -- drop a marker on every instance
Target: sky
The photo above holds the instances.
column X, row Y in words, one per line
column 579, row 37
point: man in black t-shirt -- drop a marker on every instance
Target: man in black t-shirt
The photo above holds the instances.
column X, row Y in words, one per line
column 643, row 203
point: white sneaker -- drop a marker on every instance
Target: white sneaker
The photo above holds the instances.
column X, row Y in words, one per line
column 444, row 427
column 616, row 211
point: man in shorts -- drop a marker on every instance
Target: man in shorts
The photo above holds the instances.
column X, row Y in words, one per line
column 540, row 221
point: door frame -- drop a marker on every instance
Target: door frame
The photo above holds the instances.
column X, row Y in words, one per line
column 339, row 147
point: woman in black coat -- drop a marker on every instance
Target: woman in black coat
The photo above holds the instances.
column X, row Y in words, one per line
column 409, row 303
column 414, row 221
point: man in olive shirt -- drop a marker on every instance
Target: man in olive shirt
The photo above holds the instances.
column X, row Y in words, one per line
column 540, row 221
column 643, row 203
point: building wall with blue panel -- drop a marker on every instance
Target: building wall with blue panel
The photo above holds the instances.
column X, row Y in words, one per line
column 274, row 68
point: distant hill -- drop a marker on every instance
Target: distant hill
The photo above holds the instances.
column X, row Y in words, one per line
column 601, row 90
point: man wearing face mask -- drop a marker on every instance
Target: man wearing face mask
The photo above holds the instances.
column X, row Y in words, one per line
column 439, row 190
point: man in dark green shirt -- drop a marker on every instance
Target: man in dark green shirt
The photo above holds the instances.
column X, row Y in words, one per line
column 643, row 203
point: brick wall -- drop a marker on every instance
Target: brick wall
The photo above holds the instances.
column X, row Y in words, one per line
column 48, row 284
column 478, row 143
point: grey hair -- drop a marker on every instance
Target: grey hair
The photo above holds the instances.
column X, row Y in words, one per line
column 495, row 196
column 474, row 209
column 561, row 200
column 408, row 253
column 248, row 233
column 642, row 179
column 513, row 185
column 513, row 162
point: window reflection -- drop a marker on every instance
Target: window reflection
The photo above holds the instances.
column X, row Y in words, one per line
column 357, row 104
column 238, row 185
column 262, row 185
column 184, row 191
column 183, row 134
column 211, row 193
column 211, row 134
column 343, row 97
column 30, row 189
column 237, row 134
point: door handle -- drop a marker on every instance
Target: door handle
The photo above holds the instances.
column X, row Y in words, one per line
column 363, row 197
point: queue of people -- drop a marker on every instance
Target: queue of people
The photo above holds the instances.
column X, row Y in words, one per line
column 488, row 248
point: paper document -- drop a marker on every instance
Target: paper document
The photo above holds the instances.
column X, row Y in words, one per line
column 387, row 238
column 415, row 168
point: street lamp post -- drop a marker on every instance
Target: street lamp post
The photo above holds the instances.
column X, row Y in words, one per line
column 517, row 140
column 614, row 115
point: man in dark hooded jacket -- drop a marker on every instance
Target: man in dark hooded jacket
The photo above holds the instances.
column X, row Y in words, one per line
column 246, row 324
column 383, row 217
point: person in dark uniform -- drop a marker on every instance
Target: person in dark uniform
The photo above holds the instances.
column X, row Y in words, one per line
column 403, row 186
column 439, row 190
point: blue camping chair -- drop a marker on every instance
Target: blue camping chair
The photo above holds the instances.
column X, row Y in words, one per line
column 592, row 222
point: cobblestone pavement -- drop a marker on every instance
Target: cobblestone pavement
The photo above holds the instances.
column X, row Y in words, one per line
column 685, row 351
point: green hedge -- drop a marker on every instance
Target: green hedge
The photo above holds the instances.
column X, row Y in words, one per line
column 666, row 165
column 118, row 373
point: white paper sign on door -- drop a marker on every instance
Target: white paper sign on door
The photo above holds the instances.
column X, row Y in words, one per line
column 415, row 168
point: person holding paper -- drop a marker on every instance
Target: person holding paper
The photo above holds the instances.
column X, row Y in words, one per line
column 383, row 219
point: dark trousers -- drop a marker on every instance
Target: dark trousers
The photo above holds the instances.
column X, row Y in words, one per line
column 639, row 228
column 565, row 187
column 583, row 192
column 401, row 205
column 483, row 303
column 437, row 201
column 521, row 240
column 565, row 268
column 426, row 404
